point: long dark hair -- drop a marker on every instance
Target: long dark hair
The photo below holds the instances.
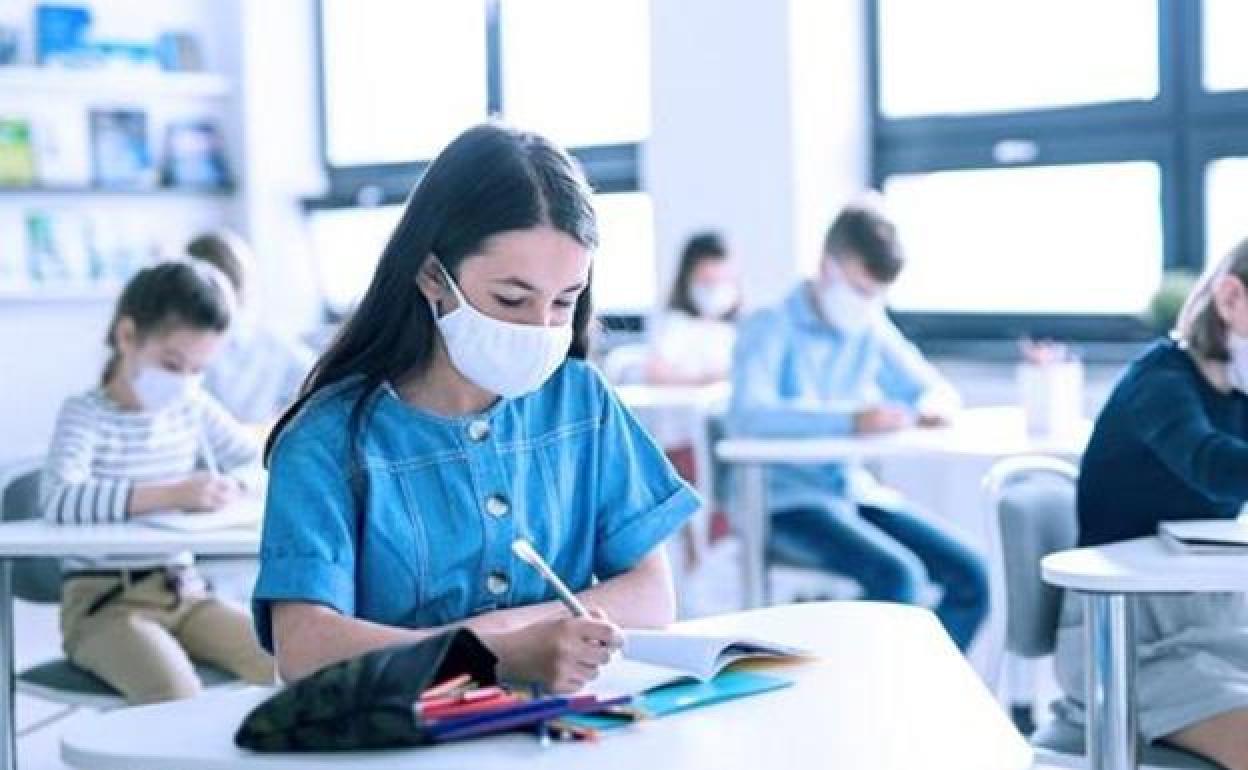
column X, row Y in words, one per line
column 167, row 296
column 700, row 248
column 491, row 179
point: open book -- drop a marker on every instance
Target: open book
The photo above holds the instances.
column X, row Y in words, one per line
column 652, row 659
column 244, row 514
column 1205, row 535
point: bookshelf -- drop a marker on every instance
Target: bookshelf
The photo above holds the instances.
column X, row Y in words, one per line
column 93, row 84
column 71, row 213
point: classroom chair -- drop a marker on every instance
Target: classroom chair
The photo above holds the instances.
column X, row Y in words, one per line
column 39, row 581
column 1032, row 500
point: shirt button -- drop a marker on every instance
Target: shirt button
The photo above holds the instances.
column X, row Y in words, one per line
column 497, row 583
column 478, row 430
column 497, row 506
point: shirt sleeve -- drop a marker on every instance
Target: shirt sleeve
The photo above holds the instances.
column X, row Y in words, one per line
column 641, row 499
column 909, row 378
column 1168, row 417
column 759, row 407
column 233, row 449
column 308, row 546
column 68, row 492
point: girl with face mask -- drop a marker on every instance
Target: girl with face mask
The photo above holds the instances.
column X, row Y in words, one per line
column 1172, row 443
column 147, row 440
column 455, row 413
column 692, row 342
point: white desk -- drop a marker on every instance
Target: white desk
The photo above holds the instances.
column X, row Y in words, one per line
column 1106, row 577
column 988, row 432
column 37, row 539
column 890, row 692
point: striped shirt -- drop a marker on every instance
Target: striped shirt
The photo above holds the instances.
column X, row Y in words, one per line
column 100, row 451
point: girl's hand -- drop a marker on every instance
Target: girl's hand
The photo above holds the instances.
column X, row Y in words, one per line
column 561, row 655
column 206, row 492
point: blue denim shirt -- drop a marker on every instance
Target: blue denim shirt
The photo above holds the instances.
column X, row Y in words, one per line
column 414, row 528
column 796, row 376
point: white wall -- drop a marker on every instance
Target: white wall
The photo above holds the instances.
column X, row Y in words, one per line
column 757, row 129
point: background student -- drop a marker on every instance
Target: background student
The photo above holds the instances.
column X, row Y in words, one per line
column 692, row 342
column 827, row 362
column 1172, row 443
column 692, row 345
column 140, row 443
column 455, row 413
column 258, row 373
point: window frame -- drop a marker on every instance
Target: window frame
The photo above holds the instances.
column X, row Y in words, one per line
column 1182, row 129
column 610, row 168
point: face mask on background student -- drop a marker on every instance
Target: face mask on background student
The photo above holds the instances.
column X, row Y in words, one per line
column 845, row 307
column 508, row 359
column 714, row 300
column 157, row 388
column 1237, row 367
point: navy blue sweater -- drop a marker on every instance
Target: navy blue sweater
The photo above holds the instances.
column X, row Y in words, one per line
column 1167, row 446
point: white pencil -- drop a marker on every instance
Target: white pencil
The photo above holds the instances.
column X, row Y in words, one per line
column 529, row 555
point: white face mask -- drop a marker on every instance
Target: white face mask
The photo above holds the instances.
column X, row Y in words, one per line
column 157, row 388
column 1237, row 368
column 713, row 300
column 846, row 308
column 508, row 359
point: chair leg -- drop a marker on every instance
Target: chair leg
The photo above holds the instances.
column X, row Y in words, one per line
column 47, row 721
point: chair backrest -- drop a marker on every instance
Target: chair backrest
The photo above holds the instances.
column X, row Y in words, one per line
column 34, row 580
column 1032, row 501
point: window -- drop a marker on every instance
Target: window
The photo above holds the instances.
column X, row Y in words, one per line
column 588, row 89
column 1225, row 67
column 1047, row 162
column 399, row 80
column 1225, row 193
column 346, row 246
column 980, row 56
column 624, row 266
column 1079, row 238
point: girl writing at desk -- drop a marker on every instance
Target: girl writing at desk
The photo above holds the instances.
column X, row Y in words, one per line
column 1172, row 443
column 453, row 414
column 148, row 439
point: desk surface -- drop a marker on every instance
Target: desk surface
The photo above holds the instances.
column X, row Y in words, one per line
column 890, row 692
column 996, row 431
column 1144, row 565
column 709, row 398
column 38, row 538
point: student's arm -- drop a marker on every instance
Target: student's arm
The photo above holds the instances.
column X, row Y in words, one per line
column 758, row 406
column 234, row 449
column 907, row 377
column 1168, row 416
column 70, row 494
column 308, row 637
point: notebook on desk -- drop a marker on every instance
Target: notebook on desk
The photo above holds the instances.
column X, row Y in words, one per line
column 1205, row 535
column 245, row 514
column 653, row 659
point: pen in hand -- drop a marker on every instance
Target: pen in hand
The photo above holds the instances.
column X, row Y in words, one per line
column 528, row 554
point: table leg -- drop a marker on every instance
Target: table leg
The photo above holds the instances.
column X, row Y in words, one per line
column 8, row 673
column 1110, row 637
column 752, row 526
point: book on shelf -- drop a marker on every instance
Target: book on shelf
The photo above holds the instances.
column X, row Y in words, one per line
column 17, row 154
column 195, row 156
column 120, row 154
